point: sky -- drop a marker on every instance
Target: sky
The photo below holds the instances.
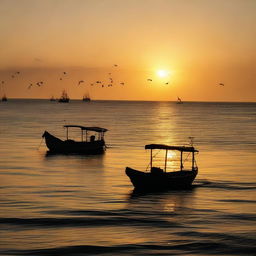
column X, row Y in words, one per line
column 198, row 44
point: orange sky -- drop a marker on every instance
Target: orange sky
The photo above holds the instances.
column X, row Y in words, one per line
column 201, row 42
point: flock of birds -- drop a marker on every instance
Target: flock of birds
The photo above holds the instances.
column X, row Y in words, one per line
column 110, row 82
column 102, row 84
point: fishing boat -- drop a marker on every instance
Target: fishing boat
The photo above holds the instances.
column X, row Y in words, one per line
column 64, row 97
column 86, row 97
column 161, row 179
column 179, row 101
column 4, row 98
column 92, row 141
column 52, row 99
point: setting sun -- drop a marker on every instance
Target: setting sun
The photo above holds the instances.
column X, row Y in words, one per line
column 163, row 73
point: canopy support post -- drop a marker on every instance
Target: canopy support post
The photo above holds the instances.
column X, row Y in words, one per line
column 82, row 135
column 67, row 133
column 193, row 160
column 181, row 165
column 165, row 162
column 151, row 159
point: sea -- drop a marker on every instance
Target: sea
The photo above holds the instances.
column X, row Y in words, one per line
column 85, row 204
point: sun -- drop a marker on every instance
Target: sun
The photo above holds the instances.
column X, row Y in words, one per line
column 163, row 73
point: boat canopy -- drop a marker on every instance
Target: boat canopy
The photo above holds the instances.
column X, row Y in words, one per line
column 167, row 147
column 94, row 129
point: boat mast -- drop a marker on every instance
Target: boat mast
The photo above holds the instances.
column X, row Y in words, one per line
column 165, row 161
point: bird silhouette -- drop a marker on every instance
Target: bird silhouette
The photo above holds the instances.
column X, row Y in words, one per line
column 115, row 65
column 221, row 84
column 61, row 78
column 122, row 83
column 29, row 87
column 81, row 81
column 167, row 83
column 150, row 80
column 98, row 82
column 64, row 73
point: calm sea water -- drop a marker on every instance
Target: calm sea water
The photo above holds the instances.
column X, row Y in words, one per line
column 85, row 205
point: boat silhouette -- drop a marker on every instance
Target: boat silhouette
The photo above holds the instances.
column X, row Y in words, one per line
column 86, row 97
column 4, row 98
column 159, row 179
column 64, row 97
column 91, row 144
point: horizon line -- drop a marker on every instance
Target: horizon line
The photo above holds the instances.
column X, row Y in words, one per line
column 189, row 101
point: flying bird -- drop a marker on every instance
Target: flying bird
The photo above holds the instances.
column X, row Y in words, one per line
column 98, row 82
column 64, row 73
column 122, row 83
column 81, row 81
column 221, row 84
column 29, row 87
column 150, row 80
column 167, row 83
column 18, row 72
column 61, row 78
column 115, row 65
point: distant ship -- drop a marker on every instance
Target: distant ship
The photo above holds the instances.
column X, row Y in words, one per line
column 86, row 97
column 4, row 98
column 179, row 101
column 64, row 97
column 52, row 99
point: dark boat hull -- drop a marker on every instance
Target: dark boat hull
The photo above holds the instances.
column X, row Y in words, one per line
column 64, row 100
column 56, row 145
column 143, row 181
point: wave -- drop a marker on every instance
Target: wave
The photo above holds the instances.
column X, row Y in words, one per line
column 228, row 185
column 86, row 222
column 172, row 248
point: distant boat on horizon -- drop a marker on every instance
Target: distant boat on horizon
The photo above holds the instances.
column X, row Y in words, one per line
column 179, row 101
column 4, row 98
column 86, row 97
column 64, row 97
column 52, row 99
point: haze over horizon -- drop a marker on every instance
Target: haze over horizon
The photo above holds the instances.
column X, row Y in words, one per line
column 199, row 44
